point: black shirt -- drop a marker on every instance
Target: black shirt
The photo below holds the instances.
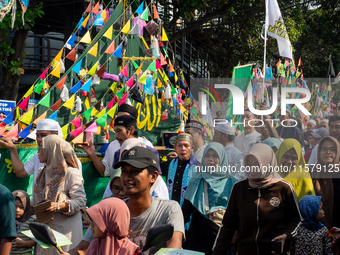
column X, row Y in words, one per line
column 177, row 187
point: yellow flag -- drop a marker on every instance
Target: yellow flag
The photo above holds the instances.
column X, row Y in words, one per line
column 142, row 79
column 176, row 78
column 159, row 84
column 17, row 113
column 58, row 57
column 29, row 92
column 164, row 36
column 41, row 117
column 139, row 69
column 86, row 38
column 108, row 33
column 87, row 103
column 93, row 69
column 126, row 28
column 65, row 129
column 113, row 86
column 165, row 77
column 93, row 51
column 56, row 71
column 85, row 21
column 79, row 139
column 112, row 111
column 101, row 113
column 94, row 112
column 104, row 15
column 28, row 116
column 69, row 103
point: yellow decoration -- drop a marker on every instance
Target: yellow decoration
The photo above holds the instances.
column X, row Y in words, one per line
column 56, row 71
column 126, row 28
column 79, row 139
column 165, row 77
column 58, row 57
column 139, row 69
column 27, row 118
column 93, row 69
column 142, row 79
column 69, row 103
column 17, row 113
column 94, row 112
column 101, row 113
column 113, row 86
column 176, row 78
column 159, row 83
column 41, row 117
column 112, row 111
column 164, row 36
column 85, row 21
column 104, row 15
column 159, row 114
column 108, row 33
column 86, row 38
column 87, row 103
column 29, row 92
column 65, row 129
column 93, row 51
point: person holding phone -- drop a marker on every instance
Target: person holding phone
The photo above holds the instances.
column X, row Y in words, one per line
column 263, row 209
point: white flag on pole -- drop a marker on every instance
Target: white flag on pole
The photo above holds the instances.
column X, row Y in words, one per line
column 277, row 29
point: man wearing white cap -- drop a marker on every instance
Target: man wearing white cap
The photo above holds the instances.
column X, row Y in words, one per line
column 44, row 128
column 225, row 134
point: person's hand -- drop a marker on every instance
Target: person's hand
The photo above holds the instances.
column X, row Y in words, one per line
column 86, row 224
column 7, row 142
column 172, row 155
column 52, row 208
column 336, row 239
column 281, row 238
column 89, row 148
column 18, row 242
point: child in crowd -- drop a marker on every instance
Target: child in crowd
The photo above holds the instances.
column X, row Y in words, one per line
column 311, row 238
column 22, row 244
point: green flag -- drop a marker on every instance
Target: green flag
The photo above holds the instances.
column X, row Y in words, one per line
column 45, row 101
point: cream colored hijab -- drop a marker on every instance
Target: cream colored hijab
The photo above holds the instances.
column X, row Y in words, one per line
column 265, row 157
column 59, row 156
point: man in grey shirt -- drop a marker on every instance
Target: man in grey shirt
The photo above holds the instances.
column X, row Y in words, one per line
column 225, row 134
column 139, row 171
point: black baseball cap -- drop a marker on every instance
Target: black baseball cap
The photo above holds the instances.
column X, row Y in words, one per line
column 126, row 121
column 319, row 132
column 139, row 157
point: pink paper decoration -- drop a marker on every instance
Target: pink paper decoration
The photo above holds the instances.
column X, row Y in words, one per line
column 130, row 83
column 93, row 128
column 111, row 103
column 77, row 131
column 13, row 133
column 43, row 75
column 124, row 72
column 24, row 103
column 122, row 100
column 76, row 122
column 158, row 65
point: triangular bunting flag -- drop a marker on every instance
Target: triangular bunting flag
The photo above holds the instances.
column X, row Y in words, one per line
column 72, row 55
column 71, row 40
column 13, row 133
column 158, row 65
column 56, row 71
column 171, row 67
column 140, row 9
column 43, row 75
column 24, row 133
column 89, row 7
column 39, row 86
column 87, row 114
column 104, row 15
column 112, row 112
column 29, row 92
column 108, row 33
column 24, row 103
column 56, row 106
column 87, row 103
column 93, row 69
column 45, row 101
column 93, row 51
column 102, row 120
column 80, row 22
column 139, row 69
column 60, row 84
column 111, row 48
column 101, row 113
column 164, row 36
column 92, row 128
column 58, row 57
column 142, row 79
column 135, row 30
column 130, row 82
column 79, row 138
column 9, row 118
column 123, row 99
column 171, row 74
column 77, row 131
column 64, row 129
column 165, row 77
column 87, row 86
column 101, row 70
column 119, row 51
column 166, row 54
column 155, row 12
column 120, row 92
column 126, row 28
column 124, row 72
column 145, row 14
column 111, row 103
column 27, row 118
column 86, row 38
column 85, row 21
column 96, row 8
column 152, row 66
column 76, row 122
column 134, row 64
column 163, row 61
column 77, row 67
column 159, row 83
column 76, row 87
column 69, row 103
column 54, row 116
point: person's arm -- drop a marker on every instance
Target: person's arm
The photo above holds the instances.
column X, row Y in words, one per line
column 5, row 246
column 80, row 249
column 91, row 152
column 18, row 166
column 20, row 242
column 176, row 240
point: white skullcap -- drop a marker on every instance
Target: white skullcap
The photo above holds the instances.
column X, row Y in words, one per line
column 312, row 121
column 46, row 125
column 225, row 128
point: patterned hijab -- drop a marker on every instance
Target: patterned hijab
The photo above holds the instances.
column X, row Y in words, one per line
column 309, row 208
column 112, row 216
column 265, row 157
column 25, row 200
column 59, row 155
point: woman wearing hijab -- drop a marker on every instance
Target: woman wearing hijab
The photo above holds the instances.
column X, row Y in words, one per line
column 325, row 186
column 22, row 244
column 110, row 227
column 206, row 198
column 274, row 143
column 293, row 167
column 60, row 181
column 263, row 208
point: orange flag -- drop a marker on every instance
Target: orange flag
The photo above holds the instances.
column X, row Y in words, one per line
column 61, row 83
column 111, row 48
column 155, row 12
column 72, row 54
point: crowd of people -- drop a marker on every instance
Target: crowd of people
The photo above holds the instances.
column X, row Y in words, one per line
column 268, row 190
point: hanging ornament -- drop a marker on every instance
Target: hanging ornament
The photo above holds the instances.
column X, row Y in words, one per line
column 155, row 48
column 163, row 97
column 165, row 115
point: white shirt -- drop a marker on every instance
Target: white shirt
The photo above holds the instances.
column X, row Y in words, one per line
column 243, row 141
column 199, row 153
column 33, row 165
column 313, row 159
column 235, row 158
